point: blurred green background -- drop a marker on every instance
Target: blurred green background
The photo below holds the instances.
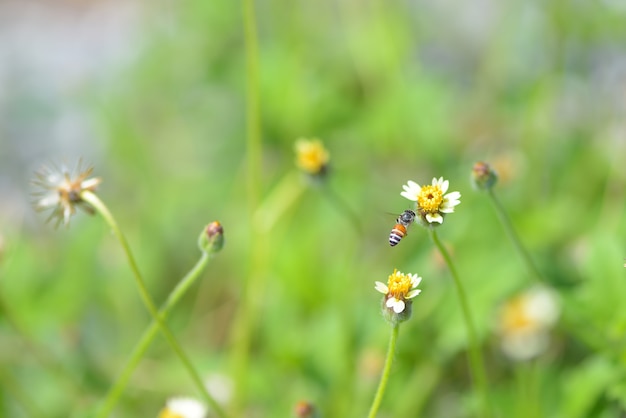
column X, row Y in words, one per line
column 153, row 94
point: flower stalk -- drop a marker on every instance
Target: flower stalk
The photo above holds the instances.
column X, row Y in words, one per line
column 89, row 197
column 396, row 308
column 484, row 178
column 148, row 336
column 477, row 364
column 382, row 385
column 510, row 231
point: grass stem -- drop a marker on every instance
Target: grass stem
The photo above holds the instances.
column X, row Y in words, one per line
column 243, row 323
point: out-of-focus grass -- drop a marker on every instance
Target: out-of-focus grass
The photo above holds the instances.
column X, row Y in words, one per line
column 397, row 91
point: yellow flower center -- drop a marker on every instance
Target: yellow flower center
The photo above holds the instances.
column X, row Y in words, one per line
column 514, row 316
column 311, row 156
column 167, row 413
column 399, row 285
column 430, row 199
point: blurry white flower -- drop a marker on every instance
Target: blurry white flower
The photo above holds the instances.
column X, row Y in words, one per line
column 525, row 322
column 60, row 189
column 183, row 408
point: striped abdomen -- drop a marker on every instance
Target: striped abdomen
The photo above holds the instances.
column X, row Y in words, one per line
column 397, row 233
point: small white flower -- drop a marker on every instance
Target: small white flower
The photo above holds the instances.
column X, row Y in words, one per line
column 432, row 200
column 399, row 288
column 525, row 322
column 181, row 407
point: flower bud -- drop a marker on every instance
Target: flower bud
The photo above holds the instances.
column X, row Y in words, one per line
column 211, row 238
column 483, row 176
column 305, row 409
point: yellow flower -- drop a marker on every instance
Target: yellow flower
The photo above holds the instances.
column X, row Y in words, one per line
column 432, row 201
column 60, row 190
column 183, row 408
column 399, row 289
column 311, row 156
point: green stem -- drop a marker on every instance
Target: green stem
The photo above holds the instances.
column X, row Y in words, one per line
column 510, row 231
column 476, row 359
column 529, row 396
column 101, row 208
column 382, row 385
column 253, row 114
column 148, row 336
column 243, row 324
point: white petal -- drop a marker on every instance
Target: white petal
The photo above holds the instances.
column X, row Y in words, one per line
column 444, row 186
column 50, row 200
column 450, row 203
column 415, row 280
column 411, row 190
column 453, row 196
column 410, row 196
column 398, row 306
column 434, row 218
column 413, row 185
column 523, row 346
column 89, row 183
column 542, row 306
column 67, row 213
column 186, row 407
column 382, row 288
column 413, row 293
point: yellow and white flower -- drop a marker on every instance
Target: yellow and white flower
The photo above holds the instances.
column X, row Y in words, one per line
column 525, row 321
column 399, row 289
column 181, row 407
column 432, row 202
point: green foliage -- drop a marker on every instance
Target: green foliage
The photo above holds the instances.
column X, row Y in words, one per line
column 397, row 91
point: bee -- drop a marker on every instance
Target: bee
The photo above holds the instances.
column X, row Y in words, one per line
column 399, row 230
